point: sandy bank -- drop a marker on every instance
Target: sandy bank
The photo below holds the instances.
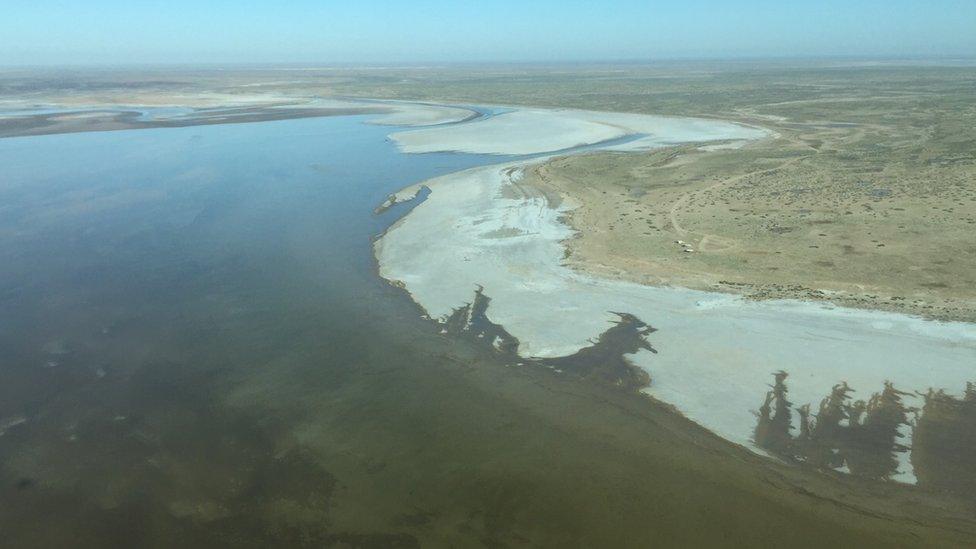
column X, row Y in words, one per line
column 535, row 131
column 421, row 114
column 466, row 235
column 716, row 353
column 776, row 219
column 58, row 118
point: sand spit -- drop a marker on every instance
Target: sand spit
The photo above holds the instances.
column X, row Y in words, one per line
column 717, row 353
column 54, row 119
column 536, row 131
column 422, row 114
column 389, row 113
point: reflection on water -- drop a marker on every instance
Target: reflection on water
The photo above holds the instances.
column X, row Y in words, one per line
column 863, row 437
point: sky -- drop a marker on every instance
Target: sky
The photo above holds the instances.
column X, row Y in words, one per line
column 116, row 32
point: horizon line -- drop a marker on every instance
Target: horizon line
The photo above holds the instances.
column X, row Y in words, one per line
column 332, row 65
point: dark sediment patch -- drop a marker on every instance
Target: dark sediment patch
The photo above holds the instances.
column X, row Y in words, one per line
column 775, row 417
column 604, row 360
column 471, row 322
column 865, row 437
column 861, row 435
column 944, row 443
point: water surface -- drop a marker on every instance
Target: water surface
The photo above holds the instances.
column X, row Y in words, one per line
column 196, row 350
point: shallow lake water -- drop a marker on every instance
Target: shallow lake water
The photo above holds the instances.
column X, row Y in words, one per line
column 140, row 269
column 196, row 350
column 95, row 224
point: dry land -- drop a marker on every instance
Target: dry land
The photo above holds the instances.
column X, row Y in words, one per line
column 866, row 197
column 854, row 213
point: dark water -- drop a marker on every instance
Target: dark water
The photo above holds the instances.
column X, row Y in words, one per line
column 157, row 287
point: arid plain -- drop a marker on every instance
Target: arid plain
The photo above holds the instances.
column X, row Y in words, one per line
column 866, row 195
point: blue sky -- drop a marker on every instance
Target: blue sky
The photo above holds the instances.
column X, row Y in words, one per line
column 422, row 31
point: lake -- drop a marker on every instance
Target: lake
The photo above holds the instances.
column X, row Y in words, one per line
column 196, row 350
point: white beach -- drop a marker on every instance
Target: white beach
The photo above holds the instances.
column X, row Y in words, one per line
column 716, row 352
column 535, row 131
column 420, row 114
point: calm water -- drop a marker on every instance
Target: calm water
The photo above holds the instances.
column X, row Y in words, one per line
column 150, row 278
column 104, row 233
column 196, row 351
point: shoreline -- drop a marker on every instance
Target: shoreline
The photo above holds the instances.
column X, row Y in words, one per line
column 527, row 131
column 533, row 213
column 109, row 117
column 227, row 360
column 480, row 228
column 590, row 250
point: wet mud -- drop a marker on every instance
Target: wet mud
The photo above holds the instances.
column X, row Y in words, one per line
column 604, row 360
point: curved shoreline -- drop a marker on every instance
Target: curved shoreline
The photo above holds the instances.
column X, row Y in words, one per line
column 530, row 131
column 484, row 228
column 717, row 353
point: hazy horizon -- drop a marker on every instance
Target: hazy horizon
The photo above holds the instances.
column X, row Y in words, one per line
column 824, row 61
column 109, row 32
